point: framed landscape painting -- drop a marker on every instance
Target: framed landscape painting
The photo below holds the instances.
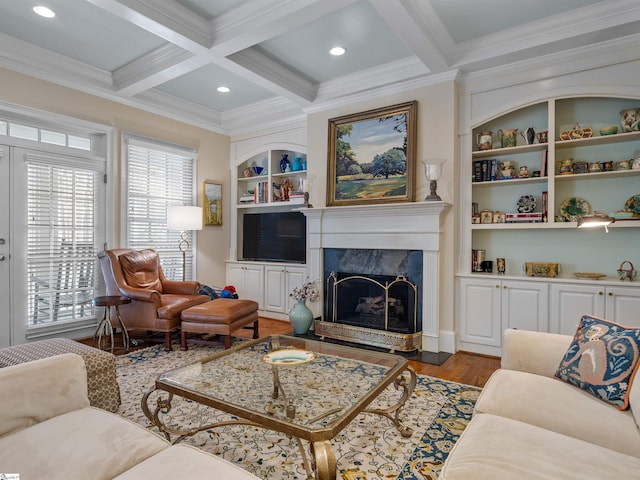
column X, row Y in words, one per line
column 212, row 203
column 372, row 156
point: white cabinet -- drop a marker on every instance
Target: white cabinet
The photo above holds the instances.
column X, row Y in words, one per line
column 569, row 301
column 248, row 280
column 490, row 305
column 279, row 281
column 268, row 284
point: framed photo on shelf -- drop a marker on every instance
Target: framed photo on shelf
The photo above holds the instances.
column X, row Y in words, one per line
column 372, row 156
column 212, row 203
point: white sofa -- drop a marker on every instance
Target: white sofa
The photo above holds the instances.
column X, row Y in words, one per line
column 527, row 424
column 48, row 430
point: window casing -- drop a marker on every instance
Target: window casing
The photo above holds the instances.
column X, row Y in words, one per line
column 157, row 175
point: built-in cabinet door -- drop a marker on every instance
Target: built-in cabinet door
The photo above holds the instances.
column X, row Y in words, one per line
column 623, row 305
column 279, row 281
column 480, row 315
column 247, row 279
column 570, row 301
column 275, row 283
column 525, row 306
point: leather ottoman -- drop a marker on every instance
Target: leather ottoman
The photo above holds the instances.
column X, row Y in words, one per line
column 222, row 316
column 103, row 389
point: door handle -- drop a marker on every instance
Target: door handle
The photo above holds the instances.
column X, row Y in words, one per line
column 2, row 258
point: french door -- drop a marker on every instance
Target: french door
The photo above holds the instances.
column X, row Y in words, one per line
column 57, row 225
column 5, row 290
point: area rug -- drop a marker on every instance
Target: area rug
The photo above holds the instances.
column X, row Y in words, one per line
column 369, row 448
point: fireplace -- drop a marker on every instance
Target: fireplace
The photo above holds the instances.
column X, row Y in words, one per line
column 372, row 301
column 398, row 240
column 378, row 310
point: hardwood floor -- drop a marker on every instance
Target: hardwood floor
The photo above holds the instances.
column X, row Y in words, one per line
column 462, row 367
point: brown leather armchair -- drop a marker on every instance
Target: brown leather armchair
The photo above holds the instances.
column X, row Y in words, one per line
column 156, row 303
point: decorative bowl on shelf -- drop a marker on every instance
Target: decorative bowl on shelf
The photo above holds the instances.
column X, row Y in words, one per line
column 574, row 207
column 257, row 170
column 576, row 132
column 589, row 275
column 610, row 130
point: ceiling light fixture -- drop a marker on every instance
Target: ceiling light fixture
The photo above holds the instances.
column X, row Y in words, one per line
column 43, row 11
column 337, row 51
column 596, row 220
column 223, row 89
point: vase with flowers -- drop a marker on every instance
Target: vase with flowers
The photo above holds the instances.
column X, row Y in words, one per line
column 300, row 316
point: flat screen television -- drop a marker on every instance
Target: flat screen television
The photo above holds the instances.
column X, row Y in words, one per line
column 274, row 237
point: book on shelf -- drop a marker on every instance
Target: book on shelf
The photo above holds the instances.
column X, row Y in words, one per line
column 543, row 163
column 524, row 217
column 260, row 193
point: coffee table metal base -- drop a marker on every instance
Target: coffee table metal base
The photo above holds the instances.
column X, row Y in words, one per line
column 321, row 464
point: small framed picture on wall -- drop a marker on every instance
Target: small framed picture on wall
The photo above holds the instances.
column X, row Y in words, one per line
column 212, row 203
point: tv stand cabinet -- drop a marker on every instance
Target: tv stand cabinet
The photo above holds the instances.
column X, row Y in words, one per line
column 269, row 284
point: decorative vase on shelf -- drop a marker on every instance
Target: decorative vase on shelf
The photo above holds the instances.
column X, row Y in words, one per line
column 284, row 163
column 297, row 164
column 300, row 317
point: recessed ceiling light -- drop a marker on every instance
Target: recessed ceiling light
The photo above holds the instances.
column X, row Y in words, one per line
column 223, row 89
column 337, row 51
column 44, row 11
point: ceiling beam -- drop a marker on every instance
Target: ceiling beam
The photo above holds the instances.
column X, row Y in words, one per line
column 229, row 38
column 418, row 25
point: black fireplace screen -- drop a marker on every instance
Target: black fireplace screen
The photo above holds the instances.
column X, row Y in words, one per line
column 379, row 302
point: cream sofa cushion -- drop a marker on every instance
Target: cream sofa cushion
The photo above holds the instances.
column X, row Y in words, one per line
column 186, row 463
column 557, row 406
column 32, row 394
column 87, row 443
column 533, row 352
column 496, row 448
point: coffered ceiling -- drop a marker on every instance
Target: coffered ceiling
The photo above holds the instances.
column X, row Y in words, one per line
column 169, row 56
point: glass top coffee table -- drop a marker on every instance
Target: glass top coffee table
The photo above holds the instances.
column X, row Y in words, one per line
column 306, row 389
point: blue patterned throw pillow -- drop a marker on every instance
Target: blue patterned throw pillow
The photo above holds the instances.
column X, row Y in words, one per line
column 602, row 359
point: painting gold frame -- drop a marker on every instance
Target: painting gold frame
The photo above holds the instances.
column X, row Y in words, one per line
column 372, row 156
column 211, row 203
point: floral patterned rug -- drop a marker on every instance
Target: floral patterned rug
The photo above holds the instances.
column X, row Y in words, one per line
column 369, row 448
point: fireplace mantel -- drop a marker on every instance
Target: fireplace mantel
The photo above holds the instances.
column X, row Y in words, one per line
column 397, row 226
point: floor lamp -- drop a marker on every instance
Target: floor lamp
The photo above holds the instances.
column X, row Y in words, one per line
column 184, row 218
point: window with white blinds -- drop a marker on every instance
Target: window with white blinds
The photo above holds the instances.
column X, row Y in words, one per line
column 63, row 209
column 156, row 176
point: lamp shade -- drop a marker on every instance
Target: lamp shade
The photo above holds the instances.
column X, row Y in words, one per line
column 184, row 218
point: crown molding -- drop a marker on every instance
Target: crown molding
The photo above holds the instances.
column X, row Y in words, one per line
column 38, row 62
column 275, row 112
column 585, row 20
column 570, row 61
column 390, row 79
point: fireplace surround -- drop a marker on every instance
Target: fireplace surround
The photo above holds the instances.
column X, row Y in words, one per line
column 412, row 226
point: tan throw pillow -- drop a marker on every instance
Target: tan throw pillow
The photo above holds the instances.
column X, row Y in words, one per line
column 141, row 269
column 602, row 359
